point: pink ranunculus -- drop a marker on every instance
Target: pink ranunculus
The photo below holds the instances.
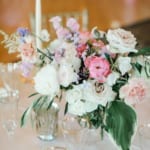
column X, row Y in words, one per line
column 84, row 37
column 99, row 68
column 56, row 22
column 73, row 25
column 137, row 90
column 27, row 52
column 61, row 32
column 81, row 48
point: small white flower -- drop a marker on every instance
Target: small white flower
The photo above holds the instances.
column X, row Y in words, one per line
column 55, row 44
column 46, row 81
column 29, row 39
column 124, row 64
column 45, row 35
column 112, row 78
column 121, row 41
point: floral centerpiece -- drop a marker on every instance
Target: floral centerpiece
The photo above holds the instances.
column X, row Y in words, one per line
column 100, row 75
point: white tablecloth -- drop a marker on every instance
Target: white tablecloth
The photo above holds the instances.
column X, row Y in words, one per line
column 25, row 138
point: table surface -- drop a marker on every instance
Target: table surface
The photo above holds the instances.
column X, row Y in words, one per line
column 25, row 138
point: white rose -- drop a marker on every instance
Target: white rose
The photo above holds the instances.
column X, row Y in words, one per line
column 66, row 74
column 124, row 64
column 112, row 78
column 104, row 95
column 46, row 81
column 77, row 105
column 81, row 107
column 121, row 41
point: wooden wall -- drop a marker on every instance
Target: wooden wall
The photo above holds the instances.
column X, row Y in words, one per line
column 102, row 13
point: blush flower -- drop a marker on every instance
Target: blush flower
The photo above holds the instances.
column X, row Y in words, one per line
column 27, row 52
column 99, row 68
column 137, row 90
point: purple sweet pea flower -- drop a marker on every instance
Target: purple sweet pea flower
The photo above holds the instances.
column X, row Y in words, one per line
column 23, row 31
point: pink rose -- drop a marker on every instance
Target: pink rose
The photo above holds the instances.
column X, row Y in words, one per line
column 99, row 68
column 73, row 25
column 27, row 52
column 137, row 90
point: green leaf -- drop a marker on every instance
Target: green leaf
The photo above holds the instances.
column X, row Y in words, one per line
column 33, row 95
column 25, row 115
column 50, row 104
column 143, row 51
column 66, row 108
column 147, row 68
column 120, row 123
column 137, row 66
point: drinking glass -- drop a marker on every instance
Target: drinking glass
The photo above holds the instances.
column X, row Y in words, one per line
column 9, row 95
column 8, row 111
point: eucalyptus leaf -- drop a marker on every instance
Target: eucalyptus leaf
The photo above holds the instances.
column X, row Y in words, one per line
column 120, row 123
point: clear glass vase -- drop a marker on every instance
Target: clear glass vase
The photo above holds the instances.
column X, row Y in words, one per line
column 46, row 122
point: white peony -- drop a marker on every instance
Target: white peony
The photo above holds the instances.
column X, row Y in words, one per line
column 101, row 95
column 46, row 81
column 121, row 41
column 75, row 94
column 112, row 78
column 66, row 74
column 124, row 64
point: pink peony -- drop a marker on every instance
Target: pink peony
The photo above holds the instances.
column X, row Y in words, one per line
column 99, row 68
column 137, row 90
column 73, row 25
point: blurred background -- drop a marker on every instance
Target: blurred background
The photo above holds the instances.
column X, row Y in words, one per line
column 133, row 15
